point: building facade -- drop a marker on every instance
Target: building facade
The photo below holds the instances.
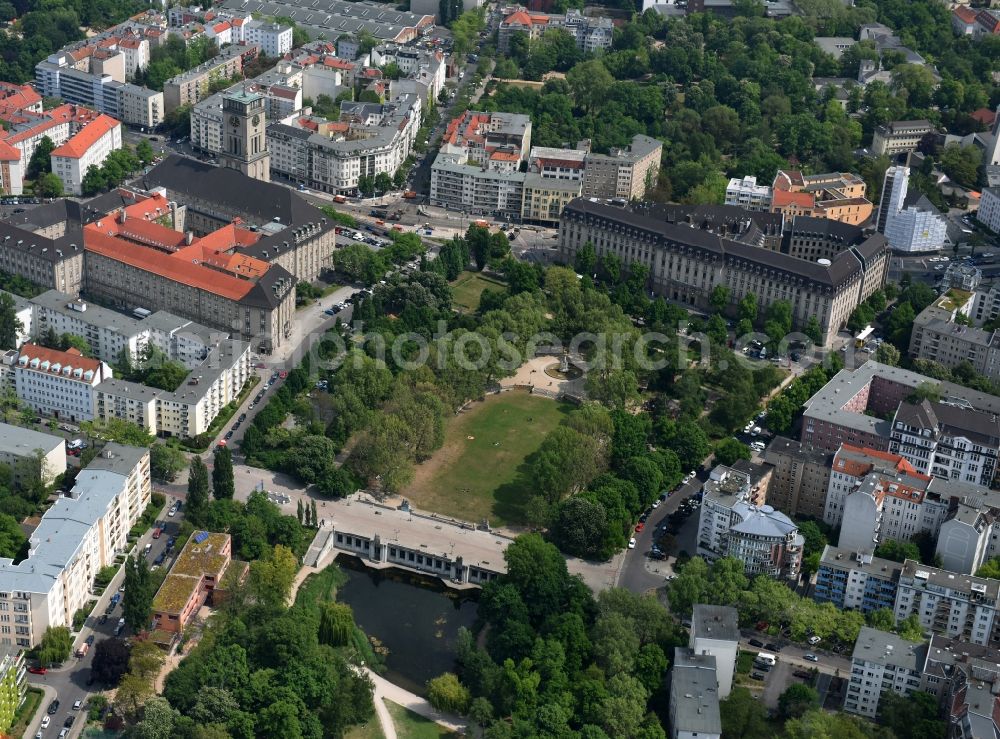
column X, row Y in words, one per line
column 245, row 145
column 13, row 684
column 59, row 383
column 898, row 137
column 882, row 661
column 686, row 264
column 746, row 193
column 800, row 478
column 32, row 454
column 87, row 148
column 856, row 580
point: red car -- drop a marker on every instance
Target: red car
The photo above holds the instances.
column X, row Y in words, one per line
column 282, row 374
column 37, row 670
column 639, row 527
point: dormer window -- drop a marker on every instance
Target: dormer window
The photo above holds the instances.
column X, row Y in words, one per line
column 56, row 367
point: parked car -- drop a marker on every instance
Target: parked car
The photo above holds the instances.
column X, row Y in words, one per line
column 53, row 707
column 757, row 643
column 810, row 657
column 37, row 670
column 639, row 527
column 45, row 722
column 77, row 705
column 772, row 647
column 814, row 640
column 631, row 543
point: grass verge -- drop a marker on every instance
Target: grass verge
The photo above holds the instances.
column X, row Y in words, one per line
column 410, row 725
column 469, row 286
column 26, row 712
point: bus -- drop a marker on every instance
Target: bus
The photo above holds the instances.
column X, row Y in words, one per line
column 862, row 338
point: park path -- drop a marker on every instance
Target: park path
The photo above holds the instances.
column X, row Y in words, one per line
column 420, row 706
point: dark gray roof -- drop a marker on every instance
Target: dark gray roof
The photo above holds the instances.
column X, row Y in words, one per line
column 918, row 415
column 845, row 265
column 827, row 228
column 233, row 194
column 916, row 199
column 54, row 250
column 715, row 622
column 269, row 288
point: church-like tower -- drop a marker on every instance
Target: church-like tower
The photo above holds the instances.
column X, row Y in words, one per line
column 245, row 146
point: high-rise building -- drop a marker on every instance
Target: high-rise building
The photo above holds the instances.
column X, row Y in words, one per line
column 991, row 154
column 893, row 194
column 245, row 146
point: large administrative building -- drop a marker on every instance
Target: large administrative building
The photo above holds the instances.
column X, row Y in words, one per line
column 690, row 250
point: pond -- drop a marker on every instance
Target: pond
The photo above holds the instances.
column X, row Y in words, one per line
column 415, row 618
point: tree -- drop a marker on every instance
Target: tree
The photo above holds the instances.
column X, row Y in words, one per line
column 12, row 538
column 94, row 181
column 41, row 158
column 197, row 491
column 590, row 82
column 48, row 185
column 796, row 700
column 913, row 716
column 887, row 354
column 144, row 151
column 223, row 485
column 882, row 619
column 336, row 624
column 897, row 551
column 55, row 646
column 728, row 451
column 748, row 307
column 271, row 578
column 813, row 331
column 580, row 526
column 137, row 603
column 446, row 693
column 719, row 298
column 383, row 182
column 744, row 716
column 111, row 660
column 10, row 325
column 165, row 462
column 961, row 164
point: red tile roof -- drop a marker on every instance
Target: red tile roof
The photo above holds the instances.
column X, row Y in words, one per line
column 71, row 357
column 8, row 153
column 222, row 26
column 966, row 15
column 89, row 135
column 985, row 116
column 782, row 198
column 523, row 18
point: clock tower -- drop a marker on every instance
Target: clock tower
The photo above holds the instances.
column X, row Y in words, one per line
column 245, row 144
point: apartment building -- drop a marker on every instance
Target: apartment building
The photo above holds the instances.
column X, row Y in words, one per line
column 856, row 580
column 193, row 579
column 27, row 131
column 694, row 696
column 899, row 137
column 543, row 198
column 950, row 440
column 193, row 85
column 57, row 77
column 882, row 661
column 989, row 209
column 11, row 172
column 938, row 338
column 851, row 407
column 59, row 383
column 590, row 33
column 957, row 606
column 746, row 193
column 289, row 232
column 970, row 536
column 13, row 684
column 417, row 65
column 874, row 496
column 32, row 454
column 140, row 106
column 132, row 260
column 966, row 680
column 89, row 147
column 369, row 139
column 800, row 479
column 732, row 523
column 715, row 630
column 272, row 39
column 686, row 264
column 78, row 535
column 189, row 410
column 559, row 164
column 623, row 173
column 839, row 196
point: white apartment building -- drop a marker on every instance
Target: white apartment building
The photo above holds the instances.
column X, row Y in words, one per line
column 89, row 147
column 910, row 224
column 694, row 696
column 947, row 439
column 58, row 383
column 950, row 604
column 746, row 193
column 272, row 39
column 18, row 444
column 882, row 661
column 140, row 106
column 732, row 523
column 989, row 209
column 190, row 409
column 77, row 536
column 369, row 139
column 135, row 49
column 715, row 630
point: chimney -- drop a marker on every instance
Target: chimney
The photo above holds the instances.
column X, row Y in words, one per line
column 123, row 216
column 188, row 238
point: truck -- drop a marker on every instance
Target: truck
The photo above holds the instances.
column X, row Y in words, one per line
column 481, row 223
column 409, row 194
column 765, row 659
column 339, row 199
column 82, row 650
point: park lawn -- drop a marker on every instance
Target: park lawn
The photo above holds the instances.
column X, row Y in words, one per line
column 410, row 725
column 371, row 730
column 467, row 288
column 482, row 477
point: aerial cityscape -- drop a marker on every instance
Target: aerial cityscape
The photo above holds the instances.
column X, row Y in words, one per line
column 552, row 369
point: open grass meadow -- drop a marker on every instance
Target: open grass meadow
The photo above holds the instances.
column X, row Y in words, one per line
column 479, row 471
column 467, row 288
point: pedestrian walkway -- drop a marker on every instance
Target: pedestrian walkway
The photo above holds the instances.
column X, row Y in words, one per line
column 420, row 706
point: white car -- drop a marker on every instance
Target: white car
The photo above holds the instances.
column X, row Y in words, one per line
column 78, row 705
column 631, row 543
column 755, row 431
column 814, row 640
column 656, row 504
column 46, row 720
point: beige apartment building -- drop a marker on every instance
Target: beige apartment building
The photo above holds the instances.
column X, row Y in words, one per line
column 192, row 86
column 623, row 173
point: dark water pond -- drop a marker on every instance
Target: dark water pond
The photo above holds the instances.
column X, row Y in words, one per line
column 415, row 618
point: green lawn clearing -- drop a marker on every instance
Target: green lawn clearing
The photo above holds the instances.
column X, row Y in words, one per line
column 320, row 587
column 410, row 725
column 371, row 730
column 478, row 473
column 467, row 288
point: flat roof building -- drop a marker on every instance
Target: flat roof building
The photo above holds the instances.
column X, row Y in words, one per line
column 195, row 575
column 20, row 448
column 694, row 696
